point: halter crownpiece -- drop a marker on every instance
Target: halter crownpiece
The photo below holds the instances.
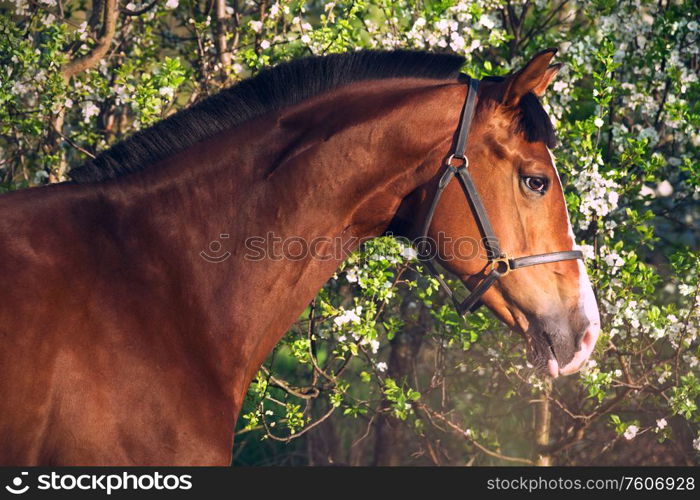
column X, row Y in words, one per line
column 498, row 261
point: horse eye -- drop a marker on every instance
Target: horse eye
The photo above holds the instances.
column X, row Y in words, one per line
column 536, row 184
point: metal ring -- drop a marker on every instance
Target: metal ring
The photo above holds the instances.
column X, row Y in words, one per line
column 465, row 161
column 500, row 265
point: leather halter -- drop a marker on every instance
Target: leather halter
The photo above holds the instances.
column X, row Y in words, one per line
column 498, row 261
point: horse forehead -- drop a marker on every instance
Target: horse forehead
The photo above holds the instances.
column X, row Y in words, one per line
column 536, row 152
column 496, row 136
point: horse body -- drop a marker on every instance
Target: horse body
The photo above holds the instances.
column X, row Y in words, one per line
column 121, row 344
column 88, row 362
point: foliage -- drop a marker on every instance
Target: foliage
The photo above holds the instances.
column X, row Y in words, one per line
column 381, row 348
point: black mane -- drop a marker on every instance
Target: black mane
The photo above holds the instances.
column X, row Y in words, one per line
column 279, row 87
column 272, row 89
column 534, row 121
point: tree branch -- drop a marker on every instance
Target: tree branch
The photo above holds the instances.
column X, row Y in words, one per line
column 579, row 433
column 91, row 59
column 220, row 36
column 468, row 436
column 140, row 11
column 543, row 424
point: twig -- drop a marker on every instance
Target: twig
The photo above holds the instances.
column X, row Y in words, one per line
column 76, row 146
column 466, row 435
column 300, row 392
column 301, row 432
column 369, row 428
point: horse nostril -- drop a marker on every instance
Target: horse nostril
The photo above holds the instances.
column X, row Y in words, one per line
column 588, row 340
column 585, row 349
column 580, row 339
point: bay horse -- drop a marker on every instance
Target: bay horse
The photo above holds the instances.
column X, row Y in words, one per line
column 121, row 345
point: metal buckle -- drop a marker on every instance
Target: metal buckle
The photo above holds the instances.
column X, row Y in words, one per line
column 464, row 159
column 500, row 264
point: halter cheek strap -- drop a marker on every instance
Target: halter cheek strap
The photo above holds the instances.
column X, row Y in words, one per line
column 457, row 165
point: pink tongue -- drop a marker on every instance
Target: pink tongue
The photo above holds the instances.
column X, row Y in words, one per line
column 553, row 367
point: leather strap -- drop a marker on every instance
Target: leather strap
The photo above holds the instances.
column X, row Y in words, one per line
column 442, row 184
column 466, row 121
column 490, row 240
column 545, row 258
column 469, row 304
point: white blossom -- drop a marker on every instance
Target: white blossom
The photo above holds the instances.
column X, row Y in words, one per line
column 21, row 7
column 256, row 26
column 588, row 251
column 90, row 110
column 664, row 189
column 166, row 92
column 598, row 194
column 40, row 176
column 651, row 134
column 487, row 22
column 172, row 4
column 647, row 191
column 83, row 30
column 348, row 316
column 614, row 260
column 661, row 423
column 559, row 86
column 374, row 345
column 381, row 366
column 409, row 253
column 631, row 432
column 457, row 42
column 351, row 275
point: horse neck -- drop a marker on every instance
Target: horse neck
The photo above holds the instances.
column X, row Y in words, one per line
column 329, row 172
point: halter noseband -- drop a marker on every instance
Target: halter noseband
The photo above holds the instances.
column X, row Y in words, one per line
column 498, row 261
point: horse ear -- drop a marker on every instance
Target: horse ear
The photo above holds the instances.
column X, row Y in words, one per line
column 547, row 78
column 534, row 77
